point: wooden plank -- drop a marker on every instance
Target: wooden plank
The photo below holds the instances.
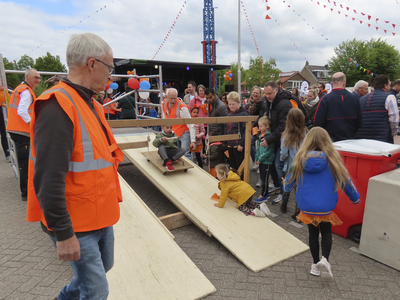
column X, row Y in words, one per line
column 158, row 122
column 257, row 242
column 247, row 146
column 156, row 160
column 174, row 221
column 139, row 144
column 148, row 263
column 226, row 137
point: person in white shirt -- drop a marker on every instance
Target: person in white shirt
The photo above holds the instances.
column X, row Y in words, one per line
column 191, row 92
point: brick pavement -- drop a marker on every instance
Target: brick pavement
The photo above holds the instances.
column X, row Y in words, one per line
column 29, row 268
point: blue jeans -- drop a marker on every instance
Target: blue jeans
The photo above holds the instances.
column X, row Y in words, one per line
column 253, row 147
column 184, row 143
column 97, row 258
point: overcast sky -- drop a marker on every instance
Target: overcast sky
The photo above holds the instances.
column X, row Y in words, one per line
column 136, row 29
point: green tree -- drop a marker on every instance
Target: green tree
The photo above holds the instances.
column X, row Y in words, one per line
column 253, row 74
column 49, row 63
column 376, row 56
column 25, row 62
column 13, row 80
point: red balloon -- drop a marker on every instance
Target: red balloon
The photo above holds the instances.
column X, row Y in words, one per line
column 107, row 87
column 133, row 83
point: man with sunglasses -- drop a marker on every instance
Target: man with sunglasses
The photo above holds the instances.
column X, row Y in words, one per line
column 19, row 118
column 74, row 189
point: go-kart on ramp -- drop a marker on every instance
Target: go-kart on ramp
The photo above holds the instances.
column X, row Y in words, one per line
column 148, row 263
column 257, row 242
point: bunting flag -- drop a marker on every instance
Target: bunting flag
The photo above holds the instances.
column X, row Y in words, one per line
column 72, row 26
column 268, row 17
column 358, row 66
column 252, row 34
column 369, row 17
column 169, row 31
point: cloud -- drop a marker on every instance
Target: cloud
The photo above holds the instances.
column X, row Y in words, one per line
column 136, row 29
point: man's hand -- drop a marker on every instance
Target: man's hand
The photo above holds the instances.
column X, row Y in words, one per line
column 193, row 146
column 263, row 143
column 257, row 162
column 240, row 148
column 69, row 250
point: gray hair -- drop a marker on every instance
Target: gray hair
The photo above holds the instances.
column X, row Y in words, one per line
column 86, row 45
column 360, row 84
column 172, row 89
column 29, row 71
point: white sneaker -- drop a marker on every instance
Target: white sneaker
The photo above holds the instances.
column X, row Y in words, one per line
column 314, row 270
column 324, row 266
column 259, row 183
column 271, row 185
column 264, row 208
column 255, row 167
column 277, row 200
column 258, row 213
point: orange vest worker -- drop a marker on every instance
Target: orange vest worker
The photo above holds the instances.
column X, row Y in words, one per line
column 92, row 186
column 175, row 113
column 15, row 123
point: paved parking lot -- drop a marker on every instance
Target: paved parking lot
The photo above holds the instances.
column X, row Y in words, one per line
column 29, row 268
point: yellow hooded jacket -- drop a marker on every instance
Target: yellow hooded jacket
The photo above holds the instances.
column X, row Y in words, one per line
column 234, row 188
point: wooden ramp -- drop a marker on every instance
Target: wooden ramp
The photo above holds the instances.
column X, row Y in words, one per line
column 148, row 263
column 256, row 242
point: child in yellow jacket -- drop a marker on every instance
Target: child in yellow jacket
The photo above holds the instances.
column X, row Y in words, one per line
column 238, row 191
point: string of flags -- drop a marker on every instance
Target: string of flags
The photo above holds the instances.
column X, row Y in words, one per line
column 73, row 26
column 357, row 65
column 254, row 38
column 169, row 31
column 345, row 11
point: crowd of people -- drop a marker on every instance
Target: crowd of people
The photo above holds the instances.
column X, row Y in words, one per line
column 72, row 186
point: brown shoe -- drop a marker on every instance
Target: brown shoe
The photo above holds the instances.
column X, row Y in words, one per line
column 283, row 208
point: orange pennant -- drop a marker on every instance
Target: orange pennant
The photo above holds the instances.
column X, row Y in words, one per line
column 268, row 8
column 268, row 17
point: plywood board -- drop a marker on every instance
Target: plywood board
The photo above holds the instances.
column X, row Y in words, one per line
column 257, row 242
column 156, row 160
column 148, row 262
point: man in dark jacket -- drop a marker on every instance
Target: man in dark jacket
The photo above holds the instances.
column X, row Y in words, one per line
column 276, row 106
column 380, row 113
column 127, row 105
column 339, row 112
column 216, row 108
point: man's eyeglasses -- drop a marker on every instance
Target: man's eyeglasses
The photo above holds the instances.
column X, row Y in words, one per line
column 111, row 69
column 38, row 78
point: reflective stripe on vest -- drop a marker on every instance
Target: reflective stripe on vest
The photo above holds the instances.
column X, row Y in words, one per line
column 89, row 163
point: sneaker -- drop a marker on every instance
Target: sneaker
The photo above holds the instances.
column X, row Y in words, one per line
column 169, row 167
column 277, row 200
column 314, row 270
column 324, row 266
column 259, row 183
column 255, row 167
column 261, row 199
column 271, row 185
column 274, row 190
column 8, row 158
column 258, row 213
column 264, row 208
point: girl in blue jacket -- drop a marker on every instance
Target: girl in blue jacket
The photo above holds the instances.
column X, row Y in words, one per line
column 318, row 173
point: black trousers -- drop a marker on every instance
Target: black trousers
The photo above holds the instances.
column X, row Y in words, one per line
column 235, row 157
column 264, row 174
column 22, row 145
column 326, row 240
column 4, row 142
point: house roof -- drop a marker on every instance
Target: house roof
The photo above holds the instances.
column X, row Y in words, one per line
column 315, row 68
column 285, row 76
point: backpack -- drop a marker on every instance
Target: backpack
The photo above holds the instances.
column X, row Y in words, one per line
column 296, row 103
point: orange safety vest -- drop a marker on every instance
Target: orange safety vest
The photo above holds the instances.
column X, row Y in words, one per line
column 175, row 113
column 15, row 123
column 92, row 188
column 110, row 108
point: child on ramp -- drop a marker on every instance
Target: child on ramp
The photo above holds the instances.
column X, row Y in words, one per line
column 291, row 140
column 167, row 143
column 318, row 172
column 238, row 191
column 200, row 133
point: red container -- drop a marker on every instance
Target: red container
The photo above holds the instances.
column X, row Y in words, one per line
column 361, row 168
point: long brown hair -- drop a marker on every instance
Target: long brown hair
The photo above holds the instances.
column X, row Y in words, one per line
column 318, row 140
column 295, row 130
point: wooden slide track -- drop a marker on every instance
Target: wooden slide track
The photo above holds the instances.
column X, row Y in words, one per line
column 257, row 242
column 148, row 263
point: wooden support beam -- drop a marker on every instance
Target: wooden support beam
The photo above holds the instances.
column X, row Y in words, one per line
column 174, row 221
column 131, row 145
column 247, row 146
column 220, row 138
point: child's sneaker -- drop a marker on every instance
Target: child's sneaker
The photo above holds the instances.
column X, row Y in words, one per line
column 169, row 167
column 259, row 183
column 258, row 213
column 314, row 270
column 277, row 200
column 275, row 189
column 261, row 199
column 324, row 266
column 264, row 208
